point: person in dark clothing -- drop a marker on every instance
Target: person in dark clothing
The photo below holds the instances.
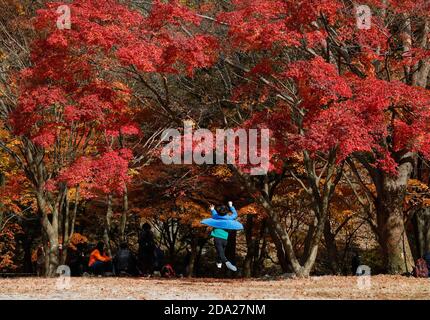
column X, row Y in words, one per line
column 167, row 271
column 125, row 261
column 158, row 258
column 146, row 250
column 186, row 263
column 426, row 257
column 355, row 263
column 77, row 260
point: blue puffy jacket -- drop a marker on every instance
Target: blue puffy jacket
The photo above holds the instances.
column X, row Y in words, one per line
column 233, row 216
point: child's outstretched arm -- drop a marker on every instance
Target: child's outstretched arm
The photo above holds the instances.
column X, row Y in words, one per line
column 233, row 210
column 215, row 214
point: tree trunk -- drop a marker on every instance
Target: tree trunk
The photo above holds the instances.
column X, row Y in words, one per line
column 421, row 223
column 319, row 230
column 53, row 258
column 278, row 233
column 321, row 192
column 250, row 247
column 261, row 253
column 27, row 243
column 201, row 243
column 332, row 251
column 106, row 234
column 52, row 252
column 69, row 225
column 230, row 250
column 66, row 239
column 390, row 219
column 280, row 251
column 252, row 262
column 123, row 222
column 285, row 249
column 50, row 229
column 308, row 240
column 191, row 263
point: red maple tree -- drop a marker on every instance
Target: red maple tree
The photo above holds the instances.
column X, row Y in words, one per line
column 340, row 93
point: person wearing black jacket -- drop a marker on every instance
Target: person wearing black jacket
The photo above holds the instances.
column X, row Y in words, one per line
column 125, row 261
column 146, row 250
column 77, row 260
column 355, row 262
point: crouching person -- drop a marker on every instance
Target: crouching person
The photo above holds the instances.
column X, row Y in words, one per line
column 99, row 262
column 125, row 261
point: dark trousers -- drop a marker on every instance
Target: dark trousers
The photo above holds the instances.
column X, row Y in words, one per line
column 220, row 245
column 146, row 262
column 100, row 267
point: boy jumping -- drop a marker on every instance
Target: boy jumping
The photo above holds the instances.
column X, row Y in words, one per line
column 220, row 235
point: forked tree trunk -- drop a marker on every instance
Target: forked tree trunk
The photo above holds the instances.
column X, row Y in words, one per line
column 279, row 245
column 54, row 260
column 301, row 270
column 51, row 231
column 285, row 249
column 52, row 251
column 69, row 225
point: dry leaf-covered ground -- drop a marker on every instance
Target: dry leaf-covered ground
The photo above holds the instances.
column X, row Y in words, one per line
column 327, row 287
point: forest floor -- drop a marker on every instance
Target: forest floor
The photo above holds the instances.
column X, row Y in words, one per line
column 325, row 287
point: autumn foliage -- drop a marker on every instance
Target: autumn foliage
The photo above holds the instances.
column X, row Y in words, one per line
column 348, row 111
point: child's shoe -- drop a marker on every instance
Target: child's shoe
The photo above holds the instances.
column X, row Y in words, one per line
column 229, row 265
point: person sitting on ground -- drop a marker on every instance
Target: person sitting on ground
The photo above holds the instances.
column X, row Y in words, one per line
column 426, row 257
column 99, row 262
column 146, row 250
column 77, row 260
column 124, row 261
column 167, row 271
column 220, row 235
